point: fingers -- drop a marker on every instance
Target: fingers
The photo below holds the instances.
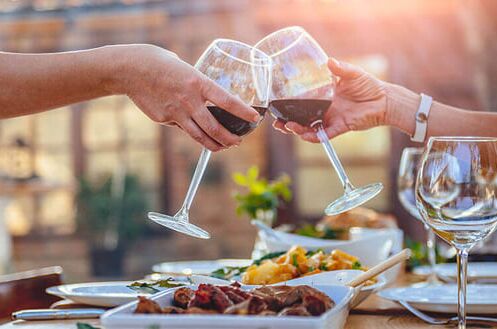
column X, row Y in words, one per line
column 206, row 121
column 297, row 129
column 199, row 135
column 280, row 126
column 217, row 95
column 344, row 70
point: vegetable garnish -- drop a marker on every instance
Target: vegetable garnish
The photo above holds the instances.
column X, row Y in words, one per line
column 151, row 287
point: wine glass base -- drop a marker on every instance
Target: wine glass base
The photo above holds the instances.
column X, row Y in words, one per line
column 353, row 199
column 179, row 224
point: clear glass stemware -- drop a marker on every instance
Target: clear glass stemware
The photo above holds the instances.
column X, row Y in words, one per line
column 455, row 194
column 243, row 71
column 406, row 182
column 302, row 91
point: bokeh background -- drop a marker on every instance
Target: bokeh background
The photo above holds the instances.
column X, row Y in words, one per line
column 446, row 48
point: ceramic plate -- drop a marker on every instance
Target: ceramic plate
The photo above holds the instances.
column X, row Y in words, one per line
column 204, row 267
column 484, row 272
column 443, row 297
column 105, row 294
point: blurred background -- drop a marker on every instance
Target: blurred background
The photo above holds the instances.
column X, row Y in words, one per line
column 85, row 155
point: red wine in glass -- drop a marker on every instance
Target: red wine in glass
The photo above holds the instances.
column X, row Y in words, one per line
column 305, row 112
column 233, row 123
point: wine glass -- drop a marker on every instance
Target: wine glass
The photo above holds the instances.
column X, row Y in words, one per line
column 302, row 91
column 406, row 181
column 243, row 71
column 455, row 194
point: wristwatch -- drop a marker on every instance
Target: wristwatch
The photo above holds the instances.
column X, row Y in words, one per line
column 422, row 119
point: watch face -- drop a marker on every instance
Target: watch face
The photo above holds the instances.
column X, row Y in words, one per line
column 421, row 117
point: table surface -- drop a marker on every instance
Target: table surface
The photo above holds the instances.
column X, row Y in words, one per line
column 373, row 313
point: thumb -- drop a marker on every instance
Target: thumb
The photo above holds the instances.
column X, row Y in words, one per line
column 344, row 70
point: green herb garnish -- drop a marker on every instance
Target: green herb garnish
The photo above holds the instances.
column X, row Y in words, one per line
column 271, row 255
column 323, row 266
column 313, row 232
column 294, row 260
column 151, row 287
column 228, row 272
column 356, row 265
column 311, row 253
column 81, row 325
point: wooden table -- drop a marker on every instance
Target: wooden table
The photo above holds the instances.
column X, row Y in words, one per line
column 386, row 315
column 373, row 313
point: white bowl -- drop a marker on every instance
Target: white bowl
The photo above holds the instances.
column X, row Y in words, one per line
column 123, row 317
column 371, row 246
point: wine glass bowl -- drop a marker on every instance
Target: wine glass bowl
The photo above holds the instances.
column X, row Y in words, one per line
column 244, row 72
column 406, row 182
column 302, row 91
column 455, row 194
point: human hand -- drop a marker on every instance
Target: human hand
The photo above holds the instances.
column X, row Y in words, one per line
column 360, row 103
column 171, row 92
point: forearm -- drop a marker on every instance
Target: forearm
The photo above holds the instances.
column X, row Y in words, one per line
column 444, row 120
column 31, row 83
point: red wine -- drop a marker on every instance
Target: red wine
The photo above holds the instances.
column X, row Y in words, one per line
column 303, row 111
column 233, row 123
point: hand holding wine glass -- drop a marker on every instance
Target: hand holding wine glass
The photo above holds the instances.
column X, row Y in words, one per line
column 244, row 72
column 302, row 91
column 359, row 103
column 456, row 199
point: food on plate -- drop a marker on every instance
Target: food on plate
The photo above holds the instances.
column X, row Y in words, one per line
column 298, row 262
column 264, row 301
column 338, row 226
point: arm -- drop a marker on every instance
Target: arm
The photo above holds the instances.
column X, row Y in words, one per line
column 362, row 102
column 166, row 89
column 444, row 120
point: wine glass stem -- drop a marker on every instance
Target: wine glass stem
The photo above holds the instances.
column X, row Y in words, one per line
column 197, row 177
column 432, row 255
column 332, row 155
column 462, row 270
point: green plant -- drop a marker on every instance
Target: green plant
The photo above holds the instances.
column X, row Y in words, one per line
column 260, row 194
column 419, row 254
column 102, row 214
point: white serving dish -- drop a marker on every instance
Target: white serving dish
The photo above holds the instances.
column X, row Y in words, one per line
column 443, row 297
column 124, row 318
column 105, row 294
column 371, row 246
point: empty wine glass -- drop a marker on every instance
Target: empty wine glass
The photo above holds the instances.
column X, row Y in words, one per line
column 243, row 71
column 455, row 194
column 406, row 182
column 302, row 91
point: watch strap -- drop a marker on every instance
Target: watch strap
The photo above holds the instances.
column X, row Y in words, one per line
column 422, row 119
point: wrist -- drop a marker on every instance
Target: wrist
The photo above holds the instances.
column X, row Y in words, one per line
column 401, row 108
column 128, row 64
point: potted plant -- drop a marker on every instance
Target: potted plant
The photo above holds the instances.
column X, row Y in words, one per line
column 110, row 217
column 260, row 200
column 261, row 197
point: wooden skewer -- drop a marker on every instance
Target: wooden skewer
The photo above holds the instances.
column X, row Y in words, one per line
column 380, row 268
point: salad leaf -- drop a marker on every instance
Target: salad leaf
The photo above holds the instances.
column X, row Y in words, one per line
column 312, row 231
column 81, row 325
column 151, row 287
column 356, row 265
column 227, row 273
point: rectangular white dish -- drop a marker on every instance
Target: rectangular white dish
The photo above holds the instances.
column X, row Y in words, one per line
column 124, row 318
